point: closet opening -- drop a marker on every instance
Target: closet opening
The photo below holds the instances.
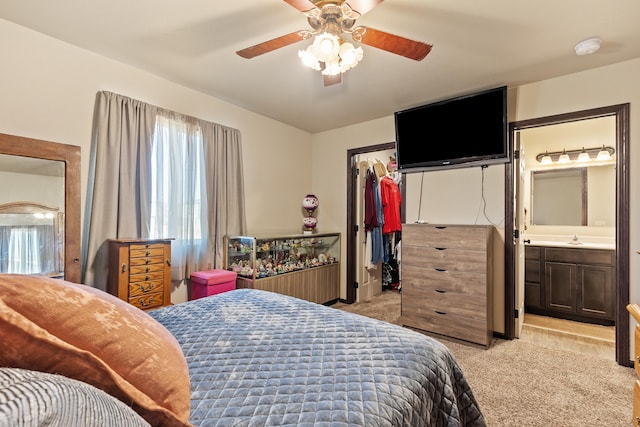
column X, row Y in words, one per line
column 363, row 281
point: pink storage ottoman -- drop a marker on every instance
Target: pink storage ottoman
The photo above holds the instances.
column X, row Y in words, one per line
column 211, row 282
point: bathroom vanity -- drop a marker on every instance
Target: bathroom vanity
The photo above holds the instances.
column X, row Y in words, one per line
column 571, row 282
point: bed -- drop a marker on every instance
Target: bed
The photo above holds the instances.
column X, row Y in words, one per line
column 249, row 358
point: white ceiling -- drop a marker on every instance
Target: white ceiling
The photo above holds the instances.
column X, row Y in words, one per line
column 476, row 45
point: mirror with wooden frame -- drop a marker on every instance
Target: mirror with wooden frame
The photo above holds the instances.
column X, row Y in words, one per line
column 18, row 155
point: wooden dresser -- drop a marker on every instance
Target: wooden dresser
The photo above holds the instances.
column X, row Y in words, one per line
column 140, row 271
column 447, row 280
column 634, row 309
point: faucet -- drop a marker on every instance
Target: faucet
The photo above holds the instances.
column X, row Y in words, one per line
column 574, row 240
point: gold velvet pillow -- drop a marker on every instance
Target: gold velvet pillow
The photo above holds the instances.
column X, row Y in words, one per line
column 54, row 326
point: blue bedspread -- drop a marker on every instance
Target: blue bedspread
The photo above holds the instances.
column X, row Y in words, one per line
column 258, row 358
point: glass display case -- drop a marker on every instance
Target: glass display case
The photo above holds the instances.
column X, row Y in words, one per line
column 260, row 261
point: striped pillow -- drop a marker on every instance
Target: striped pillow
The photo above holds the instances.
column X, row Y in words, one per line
column 33, row 398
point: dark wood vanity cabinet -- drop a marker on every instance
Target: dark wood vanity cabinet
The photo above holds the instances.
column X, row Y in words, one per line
column 571, row 283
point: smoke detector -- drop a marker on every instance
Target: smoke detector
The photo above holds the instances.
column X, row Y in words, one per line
column 588, row 46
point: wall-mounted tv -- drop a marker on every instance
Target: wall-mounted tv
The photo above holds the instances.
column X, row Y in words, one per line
column 469, row 130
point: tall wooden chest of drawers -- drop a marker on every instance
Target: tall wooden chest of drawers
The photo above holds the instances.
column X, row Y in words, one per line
column 140, row 271
column 447, row 280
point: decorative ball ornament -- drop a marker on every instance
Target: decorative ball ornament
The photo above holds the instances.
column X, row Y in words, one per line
column 310, row 222
column 310, row 204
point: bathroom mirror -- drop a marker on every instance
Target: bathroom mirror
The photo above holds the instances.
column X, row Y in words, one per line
column 578, row 196
column 47, row 175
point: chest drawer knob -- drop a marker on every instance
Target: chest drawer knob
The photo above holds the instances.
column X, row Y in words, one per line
column 147, row 289
column 124, row 267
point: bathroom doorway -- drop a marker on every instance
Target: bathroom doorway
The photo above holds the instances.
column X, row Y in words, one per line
column 595, row 232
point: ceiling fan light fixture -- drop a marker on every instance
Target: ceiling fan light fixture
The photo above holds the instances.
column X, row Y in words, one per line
column 331, row 55
column 309, row 59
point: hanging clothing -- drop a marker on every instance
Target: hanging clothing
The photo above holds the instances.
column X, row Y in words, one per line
column 391, row 201
column 370, row 215
column 377, row 244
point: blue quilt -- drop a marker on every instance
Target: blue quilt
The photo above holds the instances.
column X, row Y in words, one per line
column 258, row 358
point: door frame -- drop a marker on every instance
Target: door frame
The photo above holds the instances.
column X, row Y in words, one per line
column 621, row 112
column 352, row 221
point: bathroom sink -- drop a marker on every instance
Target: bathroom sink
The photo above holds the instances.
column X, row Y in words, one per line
column 585, row 245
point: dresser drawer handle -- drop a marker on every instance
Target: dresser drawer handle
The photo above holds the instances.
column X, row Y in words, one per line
column 440, row 312
column 146, row 270
column 440, row 227
column 146, row 277
column 147, row 261
column 150, row 288
column 144, row 304
column 440, row 269
column 440, row 249
column 147, row 253
column 441, row 291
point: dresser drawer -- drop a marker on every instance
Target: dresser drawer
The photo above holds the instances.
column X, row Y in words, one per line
column 143, row 251
column 449, row 324
column 145, row 277
column 148, row 301
column 146, row 260
column 145, row 269
column 444, row 302
column 142, row 288
column 451, row 259
column 474, row 284
column 462, row 237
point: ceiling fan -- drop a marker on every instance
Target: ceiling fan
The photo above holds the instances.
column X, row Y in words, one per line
column 330, row 54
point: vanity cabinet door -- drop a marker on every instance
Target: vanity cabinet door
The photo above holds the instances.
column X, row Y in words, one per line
column 595, row 291
column 560, row 286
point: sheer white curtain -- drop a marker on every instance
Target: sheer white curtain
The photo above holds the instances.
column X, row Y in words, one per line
column 155, row 173
column 178, row 196
column 24, row 251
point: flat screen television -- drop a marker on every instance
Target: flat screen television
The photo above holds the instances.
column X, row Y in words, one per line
column 469, row 130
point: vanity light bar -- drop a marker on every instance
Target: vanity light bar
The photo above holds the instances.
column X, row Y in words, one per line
column 598, row 153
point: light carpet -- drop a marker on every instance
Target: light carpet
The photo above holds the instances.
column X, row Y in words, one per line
column 520, row 383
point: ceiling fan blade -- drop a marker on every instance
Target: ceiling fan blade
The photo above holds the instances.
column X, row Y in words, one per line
column 363, row 6
column 301, row 5
column 332, row 80
column 395, row 44
column 270, row 45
